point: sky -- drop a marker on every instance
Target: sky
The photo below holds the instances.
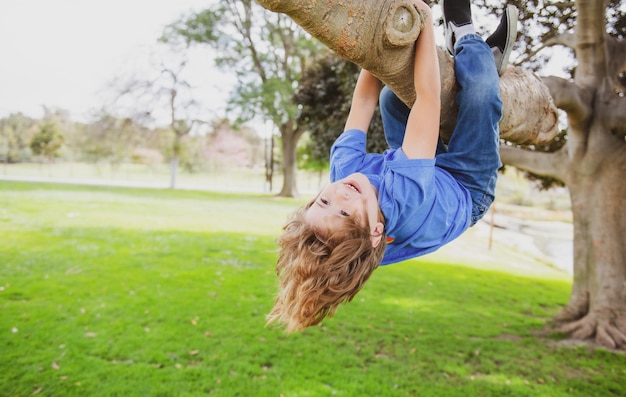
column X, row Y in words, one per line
column 64, row 53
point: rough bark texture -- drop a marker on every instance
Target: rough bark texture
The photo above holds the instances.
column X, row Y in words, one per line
column 379, row 36
column 592, row 164
column 290, row 136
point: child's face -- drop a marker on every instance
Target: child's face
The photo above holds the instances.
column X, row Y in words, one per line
column 351, row 196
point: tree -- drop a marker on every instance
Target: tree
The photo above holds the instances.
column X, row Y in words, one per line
column 267, row 52
column 231, row 147
column 324, row 95
column 591, row 162
column 163, row 94
column 109, row 139
column 16, row 134
column 47, row 142
column 8, row 142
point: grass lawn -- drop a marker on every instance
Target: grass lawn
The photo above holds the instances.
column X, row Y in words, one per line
column 145, row 292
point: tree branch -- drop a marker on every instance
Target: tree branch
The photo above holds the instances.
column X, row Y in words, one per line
column 575, row 101
column 551, row 165
column 565, row 39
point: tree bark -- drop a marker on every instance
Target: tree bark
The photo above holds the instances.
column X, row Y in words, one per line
column 592, row 164
column 380, row 35
column 289, row 140
column 597, row 306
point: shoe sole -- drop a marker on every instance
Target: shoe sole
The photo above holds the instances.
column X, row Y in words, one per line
column 511, row 35
column 447, row 30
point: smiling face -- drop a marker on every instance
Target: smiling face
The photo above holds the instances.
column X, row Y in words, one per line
column 353, row 196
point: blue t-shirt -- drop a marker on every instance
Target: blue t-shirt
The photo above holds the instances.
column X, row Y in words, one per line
column 424, row 206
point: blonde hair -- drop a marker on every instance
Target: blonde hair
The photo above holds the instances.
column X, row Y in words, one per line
column 319, row 270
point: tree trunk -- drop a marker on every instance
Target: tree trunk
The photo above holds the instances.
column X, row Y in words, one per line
column 592, row 164
column 176, row 149
column 173, row 171
column 380, row 35
column 289, row 140
column 597, row 306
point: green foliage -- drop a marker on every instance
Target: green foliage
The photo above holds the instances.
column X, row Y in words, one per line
column 266, row 51
column 136, row 292
column 541, row 21
column 16, row 132
column 110, row 139
column 325, row 94
column 47, row 142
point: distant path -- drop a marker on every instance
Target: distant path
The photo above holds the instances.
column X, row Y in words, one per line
column 524, row 246
column 551, row 240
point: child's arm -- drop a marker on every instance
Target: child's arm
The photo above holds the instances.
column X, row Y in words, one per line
column 422, row 130
column 364, row 101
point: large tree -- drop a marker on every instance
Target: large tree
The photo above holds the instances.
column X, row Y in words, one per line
column 378, row 35
column 591, row 163
column 267, row 52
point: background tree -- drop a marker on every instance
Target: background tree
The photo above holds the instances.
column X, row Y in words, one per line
column 47, row 142
column 109, row 139
column 324, row 94
column 267, row 52
column 590, row 158
column 16, row 134
column 162, row 94
column 232, row 146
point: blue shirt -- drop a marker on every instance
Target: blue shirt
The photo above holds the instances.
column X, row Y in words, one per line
column 424, row 206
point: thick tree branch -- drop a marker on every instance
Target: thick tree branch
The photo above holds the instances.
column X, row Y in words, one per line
column 575, row 101
column 380, row 35
column 551, row 165
column 565, row 39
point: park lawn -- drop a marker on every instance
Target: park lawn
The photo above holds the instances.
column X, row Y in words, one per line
column 145, row 292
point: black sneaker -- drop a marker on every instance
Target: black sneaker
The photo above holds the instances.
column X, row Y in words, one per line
column 501, row 41
column 456, row 13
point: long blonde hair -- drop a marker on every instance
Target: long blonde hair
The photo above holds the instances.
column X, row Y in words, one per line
column 318, row 270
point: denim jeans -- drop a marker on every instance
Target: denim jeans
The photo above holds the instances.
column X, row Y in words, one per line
column 471, row 155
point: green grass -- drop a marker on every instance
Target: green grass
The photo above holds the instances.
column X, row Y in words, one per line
column 141, row 292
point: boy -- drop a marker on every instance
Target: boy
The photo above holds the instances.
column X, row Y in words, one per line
column 418, row 195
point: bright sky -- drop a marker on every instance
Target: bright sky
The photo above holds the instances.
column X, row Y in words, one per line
column 63, row 53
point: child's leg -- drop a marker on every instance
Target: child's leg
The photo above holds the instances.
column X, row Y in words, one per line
column 473, row 157
column 473, row 151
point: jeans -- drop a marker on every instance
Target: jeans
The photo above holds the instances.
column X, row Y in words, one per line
column 471, row 155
